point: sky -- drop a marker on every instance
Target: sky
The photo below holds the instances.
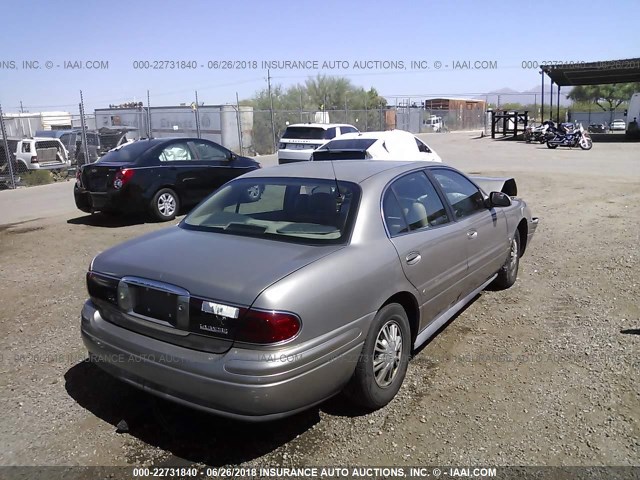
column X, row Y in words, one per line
column 375, row 42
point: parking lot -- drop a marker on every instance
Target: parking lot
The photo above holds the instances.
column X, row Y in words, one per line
column 545, row 373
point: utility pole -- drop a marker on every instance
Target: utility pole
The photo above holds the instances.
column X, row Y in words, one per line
column 273, row 126
column 239, row 119
column 21, row 109
column 85, row 146
column 6, row 150
column 148, row 115
column 197, row 113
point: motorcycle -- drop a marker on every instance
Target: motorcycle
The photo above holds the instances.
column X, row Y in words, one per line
column 568, row 135
column 535, row 134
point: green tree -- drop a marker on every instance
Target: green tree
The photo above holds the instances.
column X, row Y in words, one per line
column 607, row 97
column 344, row 102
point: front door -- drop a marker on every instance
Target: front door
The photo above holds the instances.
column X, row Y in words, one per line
column 487, row 242
column 430, row 246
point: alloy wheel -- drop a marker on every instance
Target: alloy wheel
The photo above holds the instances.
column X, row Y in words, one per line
column 387, row 354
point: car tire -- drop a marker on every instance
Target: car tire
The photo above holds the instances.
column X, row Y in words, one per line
column 165, row 205
column 382, row 365
column 508, row 273
column 22, row 167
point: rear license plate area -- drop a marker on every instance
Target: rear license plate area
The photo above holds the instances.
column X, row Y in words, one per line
column 155, row 304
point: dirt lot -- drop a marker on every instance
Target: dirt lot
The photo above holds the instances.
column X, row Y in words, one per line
column 545, row 373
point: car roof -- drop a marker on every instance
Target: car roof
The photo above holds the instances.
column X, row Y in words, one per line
column 39, row 139
column 321, row 125
column 162, row 140
column 379, row 135
column 347, row 170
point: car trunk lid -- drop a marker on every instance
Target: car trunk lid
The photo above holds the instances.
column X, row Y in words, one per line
column 99, row 177
column 215, row 271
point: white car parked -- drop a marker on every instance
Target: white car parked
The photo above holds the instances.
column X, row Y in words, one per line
column 388, row 145
column 300, row 140
column 618, row 124
column 39, row 153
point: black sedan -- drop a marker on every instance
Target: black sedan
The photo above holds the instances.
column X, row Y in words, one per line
column 159, row 176
column 597, row 128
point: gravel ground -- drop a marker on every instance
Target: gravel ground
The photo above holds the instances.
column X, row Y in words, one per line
column 545, row 373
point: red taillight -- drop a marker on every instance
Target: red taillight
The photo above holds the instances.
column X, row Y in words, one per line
column 267, row 327
column 34, row 159
column 122, row 177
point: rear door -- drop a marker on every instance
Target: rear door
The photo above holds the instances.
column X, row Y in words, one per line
column 484, row 229
column 180, row 167
column 431, row 248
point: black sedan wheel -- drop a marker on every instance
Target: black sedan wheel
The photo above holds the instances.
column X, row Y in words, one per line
column 165, row 205
column 382, row 365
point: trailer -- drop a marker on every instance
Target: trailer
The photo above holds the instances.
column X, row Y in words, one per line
column 24, row 125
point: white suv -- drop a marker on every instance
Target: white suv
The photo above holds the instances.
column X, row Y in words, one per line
column 300, row 140
column 39, row 153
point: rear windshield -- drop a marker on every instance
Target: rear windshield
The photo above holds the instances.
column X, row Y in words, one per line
column 301, row 210
column 349, row 144
column 307, row 133
column 47, row 144
column 127, row 153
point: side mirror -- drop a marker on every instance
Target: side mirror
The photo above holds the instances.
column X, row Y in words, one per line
column 498, row 199
column 232, row 156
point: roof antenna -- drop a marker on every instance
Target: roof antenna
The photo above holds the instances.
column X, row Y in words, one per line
column 335, row 177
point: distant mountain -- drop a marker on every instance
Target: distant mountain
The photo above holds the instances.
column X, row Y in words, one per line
column 527, row 97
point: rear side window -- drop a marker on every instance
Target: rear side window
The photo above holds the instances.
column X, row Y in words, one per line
column 393, row 216
column 422, row 147
column 127, row 153
column 26, row 147
column 176, row 152
column 347, row 130
column 330, row 133
column 305, row 133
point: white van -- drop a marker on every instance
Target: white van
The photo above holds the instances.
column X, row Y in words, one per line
column 300, row 139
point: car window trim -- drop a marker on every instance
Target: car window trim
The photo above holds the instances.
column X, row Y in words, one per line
column 177, row 162
column 443, row 194
column 446, row 205
column 192, row 145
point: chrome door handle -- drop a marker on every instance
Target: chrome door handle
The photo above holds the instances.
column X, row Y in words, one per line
column 471, row 234
column 413, row 258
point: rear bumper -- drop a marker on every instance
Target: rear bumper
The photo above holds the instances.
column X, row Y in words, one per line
column 290, row 156
column 252, row 385
column 107, row 201
column 48, row 166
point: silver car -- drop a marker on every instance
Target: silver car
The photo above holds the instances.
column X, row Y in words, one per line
column 257, row 308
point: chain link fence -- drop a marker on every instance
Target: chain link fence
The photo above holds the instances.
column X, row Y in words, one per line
column 37, row 160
